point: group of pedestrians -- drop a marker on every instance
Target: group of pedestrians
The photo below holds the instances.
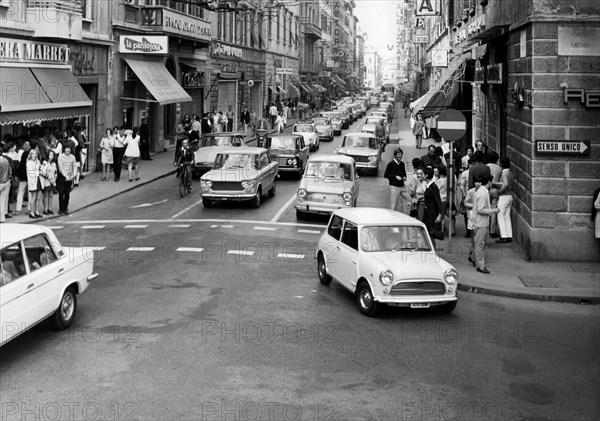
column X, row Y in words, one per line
column 120, row 145
column 482, row 192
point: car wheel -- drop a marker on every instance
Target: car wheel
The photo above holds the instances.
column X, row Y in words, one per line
column 64, row 315
column 446, row 307
column 257, row 198
column 366, row 302
column 273, row 189
column 207, row 203
column 322, row 270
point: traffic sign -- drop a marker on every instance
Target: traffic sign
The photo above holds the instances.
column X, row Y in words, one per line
column 563, row 147
column 451, row 124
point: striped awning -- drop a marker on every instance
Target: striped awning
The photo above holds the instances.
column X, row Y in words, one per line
column 293, row 91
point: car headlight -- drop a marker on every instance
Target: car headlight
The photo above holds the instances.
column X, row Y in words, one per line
column 386, row 277
column 451, row 276
column 206, row 183
column 292, row 161
column 347, row 197
column 301, row 194
column 373, row 159
column 248, row 184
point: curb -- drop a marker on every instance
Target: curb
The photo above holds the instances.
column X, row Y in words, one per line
column 559, row 298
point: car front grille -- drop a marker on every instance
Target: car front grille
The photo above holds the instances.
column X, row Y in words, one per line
column 419, row 288
column 360, row 158
column 324, row 197
column 226, row 186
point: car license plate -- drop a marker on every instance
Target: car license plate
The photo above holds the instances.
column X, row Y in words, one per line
column 419, row 305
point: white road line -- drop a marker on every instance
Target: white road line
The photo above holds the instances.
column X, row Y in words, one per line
column 180, row 226
column 141, row 248
column 283, row 209
column 178, row 214
column 215, row 226
column 291, row 256
column 241, row 252
column 226, row 226
column 92, row 227
column 95, row 248
column 309, row 231
column 191, row 249
column 265, row 228
column 57, row 227
column 195, row 221
column 136, row 226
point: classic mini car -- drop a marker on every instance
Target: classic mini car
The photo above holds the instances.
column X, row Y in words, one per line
column 239, row 174
column 324, row 128
column 309, row 132
column 337, row 121
column 290, row 152
column 375, row 130
column 374, row 101
column 210, row 145
column 364, row 148
column 385, row 257
column 40, row 279
column 329, row 182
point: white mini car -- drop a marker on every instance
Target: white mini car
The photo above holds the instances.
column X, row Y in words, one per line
column 364, row 148
column 385, row 257
column 309, row 132
column 40, row 279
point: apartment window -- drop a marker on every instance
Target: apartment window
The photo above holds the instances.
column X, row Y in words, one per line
column 270, row 27
column 232, row 26
column 86, row 9
column 284, row 27
column 278, row 26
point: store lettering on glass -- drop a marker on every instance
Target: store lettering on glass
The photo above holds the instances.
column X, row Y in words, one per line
column 229, row 67
column 227, row 50
column 192, row 79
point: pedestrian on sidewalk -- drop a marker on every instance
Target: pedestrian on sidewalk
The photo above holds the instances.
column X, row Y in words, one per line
column 144, row 135
column 64, row 179
column 478, row 169
column 132, row 153
column 49, row 173
column 6, row 176
column 418, row 193
column 279, row 122
column 496, row 172
column 462, row 189
column 106, row 150
column 22, row 176
column 417, row 130
column 230, row 118
column 273, row 114
column 118, row 151
column 246, row 120
column 405, row 106
column 482, row 210
column 395, row 172
column 196, row 125
column 205, row 125
column 441, row 180
column 253, row 121
column 431, row 159
column 434, row 208
column 286, row 111
column 505, row 200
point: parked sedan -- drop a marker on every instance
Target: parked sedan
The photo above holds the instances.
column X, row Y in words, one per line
column 364, row 148
column 309, row 132
column 385, row 257
column 210, row 145
column 290, row 152
column 329, row 182
column 337, row 121
column 239, row 174
column 40, row 279
column 324, row 128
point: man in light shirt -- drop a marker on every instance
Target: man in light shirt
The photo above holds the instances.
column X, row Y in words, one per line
column 481, row 213
column 64, row 179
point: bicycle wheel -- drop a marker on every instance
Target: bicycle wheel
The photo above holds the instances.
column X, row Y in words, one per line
column 182, row 184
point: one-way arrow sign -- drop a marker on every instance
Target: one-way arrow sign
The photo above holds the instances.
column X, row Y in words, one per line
column 562, row 147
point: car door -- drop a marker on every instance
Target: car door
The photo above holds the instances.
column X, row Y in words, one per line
column 347, row 269
column 17, row 304
column 331, row 248
column 268, row 170
column 303, row 151
column 355, row 183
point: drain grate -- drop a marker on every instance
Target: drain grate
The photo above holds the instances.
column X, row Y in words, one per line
column 538, row 282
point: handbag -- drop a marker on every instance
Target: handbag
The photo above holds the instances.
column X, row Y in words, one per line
column 437, row 232
column 413, row 210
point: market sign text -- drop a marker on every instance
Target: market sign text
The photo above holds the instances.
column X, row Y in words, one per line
column 27, row 51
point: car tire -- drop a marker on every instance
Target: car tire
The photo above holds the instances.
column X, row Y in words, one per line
column 446, row 308
column 273, row 189
column 64, row 315
column 257, row 199
column 366, row 303
column 207, row 203
column 324, row 278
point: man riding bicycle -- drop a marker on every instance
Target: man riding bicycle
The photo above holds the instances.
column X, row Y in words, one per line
column 185, row 157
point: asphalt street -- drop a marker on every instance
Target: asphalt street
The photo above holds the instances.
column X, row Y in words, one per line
column 218, row 314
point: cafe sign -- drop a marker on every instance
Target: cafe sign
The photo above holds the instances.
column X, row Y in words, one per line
column 192, row 79
column 16, row 50
column 144, row 44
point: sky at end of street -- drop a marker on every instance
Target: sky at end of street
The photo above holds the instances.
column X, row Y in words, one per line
column 378, row 19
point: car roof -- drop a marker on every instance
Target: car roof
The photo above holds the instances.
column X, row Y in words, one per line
column 284, row 135
column 11, row 233
column 376, row 216
column 361, row 134
column 345, row 159
column 244, row 150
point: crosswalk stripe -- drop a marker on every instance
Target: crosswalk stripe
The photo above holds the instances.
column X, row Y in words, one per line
column 309, row 231
column 136, row 226
column 226, row 226
column 180, row 226
column 291, row 256
column 241, row 252
column 191, row 249
column 265, row 228
column 141, row 248
column 92, row 227
column 95, row 248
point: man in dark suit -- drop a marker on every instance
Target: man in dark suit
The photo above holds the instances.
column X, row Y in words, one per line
column 145, row 140
column 478, row 169
column 431, row 159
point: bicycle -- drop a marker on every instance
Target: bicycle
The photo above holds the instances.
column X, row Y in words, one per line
column 184, row 186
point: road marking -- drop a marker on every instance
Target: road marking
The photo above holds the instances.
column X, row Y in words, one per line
column 92, row 227
column 283, row 209
column 291, row 256
column 226, row 226
column 298, row 296
column 178, row 214
column 265, row 228
column 95, row 248
column 191, row 249
column 241, row 252
column 309, row 231
column 57, row 227
column 145, row 205
column 140, row 248
column 136, row 226
column 195, row 221
column 180, row 226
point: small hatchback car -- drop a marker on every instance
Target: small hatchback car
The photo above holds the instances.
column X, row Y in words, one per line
column 385, row 257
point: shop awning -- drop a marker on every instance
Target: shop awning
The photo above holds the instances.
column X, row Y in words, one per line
column 306, row 88
column 159, row 82
column 444, row 93
column 318, row 87
column 281, row 91
column 293, row 91
column 40, row 94
column 338, row 80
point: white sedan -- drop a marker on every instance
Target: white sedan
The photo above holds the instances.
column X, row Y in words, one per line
column 40, row 279
column 310, row 134
column 385, row 257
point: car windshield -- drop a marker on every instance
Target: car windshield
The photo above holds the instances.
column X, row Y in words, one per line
column 235, row 160
column 322, row 122
column 373, row 121
column 329, row 170
column 394, row 238
column 303, row 128
column 369, row 129
column 360, row 142
column 221, row 141
column 281, row 142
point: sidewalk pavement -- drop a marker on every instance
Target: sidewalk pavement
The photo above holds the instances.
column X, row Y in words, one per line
column 511, row 274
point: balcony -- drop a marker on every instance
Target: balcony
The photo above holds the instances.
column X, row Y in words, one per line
column 172, row 22
column 311, row 29
column 55, row 19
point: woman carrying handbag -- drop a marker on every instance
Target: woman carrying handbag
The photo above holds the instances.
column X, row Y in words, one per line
column 434, row 208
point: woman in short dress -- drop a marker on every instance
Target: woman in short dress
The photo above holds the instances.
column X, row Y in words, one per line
column 132, row 153
column 48, row 171
column 34, row 183
column 106, row 149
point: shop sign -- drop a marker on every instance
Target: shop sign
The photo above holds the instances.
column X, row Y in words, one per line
column 493, row 74
column 144, row 44
column 591, row 99
column 578, row 41
column 192, row 79
column 421, row 39
column 284, row 71
column 17, row 50
column 325, row 73
column 226, row 50
column 551, row 147
column 229, row 67
column 184, row 25
column 428, row 8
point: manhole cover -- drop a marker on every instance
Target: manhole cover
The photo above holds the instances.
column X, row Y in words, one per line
column 537, row 282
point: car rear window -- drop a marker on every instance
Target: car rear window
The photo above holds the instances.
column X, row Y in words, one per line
column 350, row 235
column 335, row 227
